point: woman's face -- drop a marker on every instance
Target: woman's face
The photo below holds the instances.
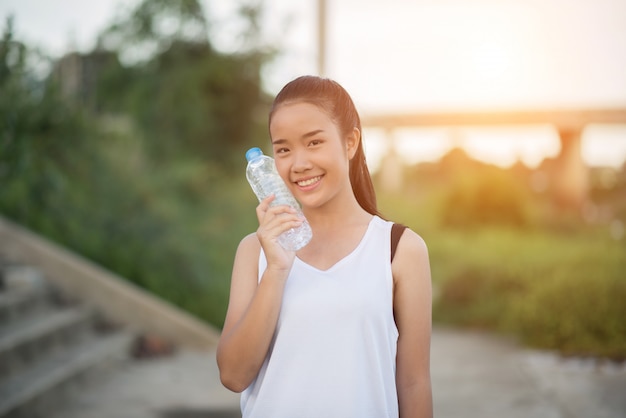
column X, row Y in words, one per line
column 311, row 154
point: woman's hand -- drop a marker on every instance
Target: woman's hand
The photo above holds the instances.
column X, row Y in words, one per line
column 273, row 221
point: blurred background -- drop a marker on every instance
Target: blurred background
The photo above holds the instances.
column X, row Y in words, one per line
column 495, row 129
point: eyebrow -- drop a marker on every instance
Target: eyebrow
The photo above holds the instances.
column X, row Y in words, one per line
column 305, row 136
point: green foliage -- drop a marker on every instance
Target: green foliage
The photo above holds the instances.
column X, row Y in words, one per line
column 490, row 196
column 39, row 133
column 189, row 101
column 552, row 283
column 187, row 98
column 148, row 187
column 561, row 292
column 486, row 200
column 579, row 311
column 608, row 191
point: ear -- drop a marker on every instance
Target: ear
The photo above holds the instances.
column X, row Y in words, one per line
column 352, row 142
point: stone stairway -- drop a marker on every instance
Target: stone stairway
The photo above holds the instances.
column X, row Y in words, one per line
column 49, row 343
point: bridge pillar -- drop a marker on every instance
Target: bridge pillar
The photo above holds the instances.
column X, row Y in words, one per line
column 571, row 177
column 391, row 165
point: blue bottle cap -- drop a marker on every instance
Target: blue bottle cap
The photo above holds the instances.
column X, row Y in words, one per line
column 253, row 153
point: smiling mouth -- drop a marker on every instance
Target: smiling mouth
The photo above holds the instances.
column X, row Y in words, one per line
column 308, row 182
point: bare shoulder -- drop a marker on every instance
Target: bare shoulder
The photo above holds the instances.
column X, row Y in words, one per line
column 249, row 244
column 411, row 257
column 411, row 245
column 245, row 267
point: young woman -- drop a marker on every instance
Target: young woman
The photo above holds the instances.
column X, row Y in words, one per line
column 337, row 329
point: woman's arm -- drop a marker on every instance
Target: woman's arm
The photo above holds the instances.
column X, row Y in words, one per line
column 413, row 313
column 254, row 306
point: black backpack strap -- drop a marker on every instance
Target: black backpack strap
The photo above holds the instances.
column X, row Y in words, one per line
column 396, row 232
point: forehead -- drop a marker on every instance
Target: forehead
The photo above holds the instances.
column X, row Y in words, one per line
column 299, row 116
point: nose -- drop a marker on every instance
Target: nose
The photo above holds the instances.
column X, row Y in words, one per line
column 301, row 162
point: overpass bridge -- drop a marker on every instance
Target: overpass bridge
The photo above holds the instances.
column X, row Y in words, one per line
column 571, row 177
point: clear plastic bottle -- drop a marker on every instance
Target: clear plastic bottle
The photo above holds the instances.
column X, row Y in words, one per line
column 265, row 180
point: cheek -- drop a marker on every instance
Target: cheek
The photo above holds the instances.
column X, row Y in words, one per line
column 282, row 166
column 340, row 162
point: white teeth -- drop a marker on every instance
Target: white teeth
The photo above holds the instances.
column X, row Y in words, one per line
column 308, row 182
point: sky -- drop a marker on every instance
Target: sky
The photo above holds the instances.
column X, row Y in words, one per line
column 420, row 55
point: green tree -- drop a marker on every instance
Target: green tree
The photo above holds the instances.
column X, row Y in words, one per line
column 186, row 97
column 39, row 133
column 153, row 192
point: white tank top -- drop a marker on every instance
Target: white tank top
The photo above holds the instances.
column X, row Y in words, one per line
column 334, row 350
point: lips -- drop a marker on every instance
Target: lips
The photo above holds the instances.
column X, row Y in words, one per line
column 309, row 182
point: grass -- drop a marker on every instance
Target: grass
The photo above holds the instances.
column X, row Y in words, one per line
column 561, row 290
column 555, row 289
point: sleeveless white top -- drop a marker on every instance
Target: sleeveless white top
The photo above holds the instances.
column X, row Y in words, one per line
column 334, row 350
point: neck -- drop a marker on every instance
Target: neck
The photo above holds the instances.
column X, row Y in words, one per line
column 340, row 211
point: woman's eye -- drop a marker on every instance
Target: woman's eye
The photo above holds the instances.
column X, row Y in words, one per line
column 281, row 150
column 315, row 142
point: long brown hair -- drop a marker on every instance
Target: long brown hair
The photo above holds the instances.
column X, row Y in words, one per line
column 331, row 97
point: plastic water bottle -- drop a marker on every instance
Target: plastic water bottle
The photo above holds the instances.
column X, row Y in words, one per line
column 265, row 180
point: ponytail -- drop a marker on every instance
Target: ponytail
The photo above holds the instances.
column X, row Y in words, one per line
column 361, row 181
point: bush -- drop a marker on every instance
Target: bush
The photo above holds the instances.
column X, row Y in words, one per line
column 562, row 292
column 575, row 312
column 489, row 198
column 477, row 297
column 91, row 183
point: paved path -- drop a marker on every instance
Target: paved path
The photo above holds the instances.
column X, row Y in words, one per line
column 474, row 375
column 480, row 375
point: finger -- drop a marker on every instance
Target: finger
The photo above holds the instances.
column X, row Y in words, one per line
column 263, row 207
column 278, row 222
column 274, row 218
column 281, row 210
column 274, row 211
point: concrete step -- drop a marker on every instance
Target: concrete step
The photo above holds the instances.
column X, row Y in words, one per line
column 23, row 292
column 17, row 276
column 35, row 391
column 49, row 344
column 19, row 304
column 27, row 341
column 43, row 371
